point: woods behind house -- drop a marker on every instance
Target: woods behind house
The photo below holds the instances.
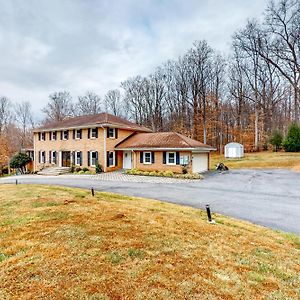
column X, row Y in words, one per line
column 243, row 97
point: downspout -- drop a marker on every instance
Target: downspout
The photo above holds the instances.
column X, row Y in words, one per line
column 104, row 148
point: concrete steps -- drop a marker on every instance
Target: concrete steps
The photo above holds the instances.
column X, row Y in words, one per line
column 54, row 171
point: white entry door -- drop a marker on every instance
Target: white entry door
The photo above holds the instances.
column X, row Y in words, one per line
column 127, row 161
column 200, row 162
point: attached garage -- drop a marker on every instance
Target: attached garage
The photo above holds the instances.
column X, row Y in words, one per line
column 199, row 162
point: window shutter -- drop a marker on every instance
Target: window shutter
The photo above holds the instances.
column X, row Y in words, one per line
column 107, row 158
column 116, row 158
column 67, row 134
column 96, row 157
column 61, row 135
column 141, row 157
column 164, row 157
column 97, row 129
column 49, row 157
column 89, row 133
column 80, row 133
column 56, row 155
column 152, row 157
column 39, row 157
column 74, row 132
column 73, row 157
column 107, row 132
column 88, row 158
column 55, row 135
column 80, row 154
column 116, row 133
column 177, row 158
column 39, row 134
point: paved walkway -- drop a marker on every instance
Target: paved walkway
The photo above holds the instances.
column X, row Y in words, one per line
column 120, row 176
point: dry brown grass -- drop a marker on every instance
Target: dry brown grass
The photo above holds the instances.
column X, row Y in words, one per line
column 61, row 243
column 260, row 160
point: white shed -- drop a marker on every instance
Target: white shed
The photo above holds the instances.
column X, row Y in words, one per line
column 234, row 150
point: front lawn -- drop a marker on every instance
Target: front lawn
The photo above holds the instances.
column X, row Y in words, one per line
column 62, row 243
column 264, row 159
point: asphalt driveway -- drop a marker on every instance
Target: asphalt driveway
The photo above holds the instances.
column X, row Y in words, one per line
column 266, row 197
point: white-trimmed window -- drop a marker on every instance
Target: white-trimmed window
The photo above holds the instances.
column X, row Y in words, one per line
column 171, row 158
column 147, row 158
column 43, row 157
column 94, row 133
column 78, row 134
column 78, row 158
column 43, row 136
column 111, row 132
column 111, row 159
column 184, row 160
column 93, row 158
column 53, row 135
column 65, row 134
column 53, row 157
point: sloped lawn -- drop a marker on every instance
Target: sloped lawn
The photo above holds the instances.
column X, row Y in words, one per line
column 62, row 243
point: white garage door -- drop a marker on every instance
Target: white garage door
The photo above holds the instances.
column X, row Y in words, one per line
column 200, row 161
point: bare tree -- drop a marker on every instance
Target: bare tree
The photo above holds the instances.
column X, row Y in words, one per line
column 59, row 107
column 114, row 103
column 24, row 119
column 89, row 104
column 5, row 113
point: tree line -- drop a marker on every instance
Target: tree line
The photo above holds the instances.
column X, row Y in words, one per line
column 212, row 98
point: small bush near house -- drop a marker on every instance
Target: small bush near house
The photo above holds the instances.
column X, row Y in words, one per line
column 164, row 174
column 292, row 140
column 78, row 169
column 72, row 168
column 98, row 168
column 184, row 170
column 85, row 169
column 19, row 162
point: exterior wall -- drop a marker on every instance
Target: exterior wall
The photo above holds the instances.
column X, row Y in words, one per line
column 85, row 144
column 158, row 162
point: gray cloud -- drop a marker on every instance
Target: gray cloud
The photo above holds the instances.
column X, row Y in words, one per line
column 77, row 45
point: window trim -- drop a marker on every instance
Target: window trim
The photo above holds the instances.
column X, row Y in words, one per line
column 65, row 139
column 114, row 159
column 91, row 133
column 144, row 158
column 43, row 161
column 51, row 135
column 114, row 133
column 91, row 159
column 167, row 159
column 76, row 162
column 52, row 160
column 77, row 131
column 43, row 136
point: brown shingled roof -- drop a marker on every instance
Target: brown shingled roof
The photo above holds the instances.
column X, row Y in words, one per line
column 93, row 120
column 163, row 140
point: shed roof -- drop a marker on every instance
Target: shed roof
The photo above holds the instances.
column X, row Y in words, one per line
column 161, row 140
column 103, row 119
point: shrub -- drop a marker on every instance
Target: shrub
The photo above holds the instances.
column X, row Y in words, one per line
column 292, row 140
column 19, row 161
column 168, row 174
column 81, row 172
column 276, row 140
column 85, row 169
column 153, row 173
column 161, row 173
column 184, row 170
column 78, row 169
column 5, row 170
column 72, row 168
column 98, row 168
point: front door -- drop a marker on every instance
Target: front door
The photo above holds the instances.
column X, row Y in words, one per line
column 127, row 161
column 66, row 158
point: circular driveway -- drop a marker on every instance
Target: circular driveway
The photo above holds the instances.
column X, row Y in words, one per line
column 269, row 197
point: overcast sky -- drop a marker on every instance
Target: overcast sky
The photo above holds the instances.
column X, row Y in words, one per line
column 79, row 45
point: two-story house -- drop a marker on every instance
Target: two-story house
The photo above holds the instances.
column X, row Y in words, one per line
column 115, row 143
